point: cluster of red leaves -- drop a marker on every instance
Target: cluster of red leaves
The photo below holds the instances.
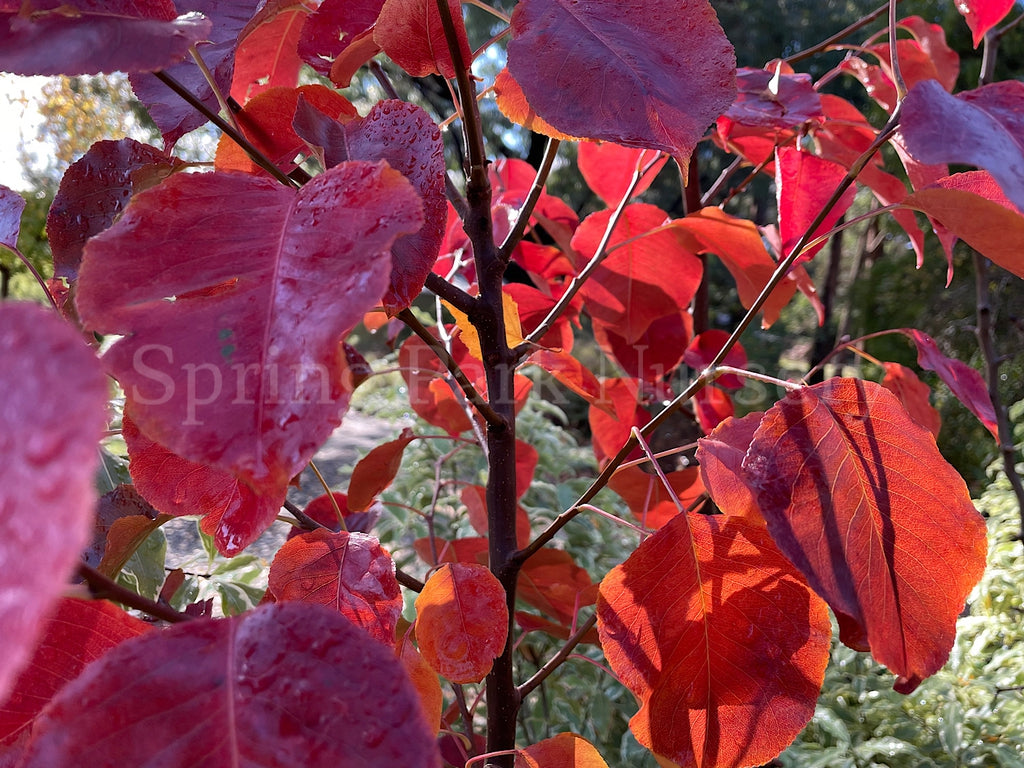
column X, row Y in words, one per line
column 231, row 294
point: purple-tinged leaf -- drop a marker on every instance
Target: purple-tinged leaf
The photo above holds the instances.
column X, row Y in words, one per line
column 78, row 38
column 244, row 369
column 771, row 100
column 46, row 477
column 11, row 207
column 333, row 27
column 983, row 127
column 643, row 74
column 408, row 139
column 174, row 116
column 94, row 191
column 284, row 685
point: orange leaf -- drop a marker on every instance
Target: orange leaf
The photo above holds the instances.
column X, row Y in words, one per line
column 572, row 373
column 857, row 495
column 424, row 680
column 552, row 582
column 720, row 456
column 914, row 394
column 566, row 750
column 461, row 621
column 647, row 497
column 348, row 572
column 719, row 638
column 512, row 103
column 376, row 470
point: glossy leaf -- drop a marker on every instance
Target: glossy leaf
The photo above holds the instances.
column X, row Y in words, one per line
column 94, row 191
column 347, row 572
column 566, row 750
column 982, row 15
column 375, row 471
column 266, row 305
column 76, row 37
column 803, row 184
column 333, row 27
column 230, row 510
column 173, row 115
column 972, row 207
column 983, row 127
column 649, row 277
column 223, row 692
column 411, row 34
column 738, row 244
column 857, row 495
column 608, row 169
column 46, row 479
column 720, row 455
column 914, row 394
column 11, row 207
column 461, row 621
column 965, row 382
column 643, row 75
column 407, row 138
column 267, row 121
column 267, row 54
column 727, row 671
column 79, row 632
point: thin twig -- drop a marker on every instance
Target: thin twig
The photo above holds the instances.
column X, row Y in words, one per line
column 247, row 146
column 863, row 21
column 526, row 211
column 474, row 397
column 894, row 56
column 210, row 81
column 104, row 588
column 555, row 661
column 305, row 521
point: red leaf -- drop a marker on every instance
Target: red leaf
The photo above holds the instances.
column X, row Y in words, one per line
column 285, row 684
column 712, row 406
column 11, row 207
column 803, row 184
column 738, row 244
column 79, row 632
column 652, row 276
column 526, row 465
column 46, row 478
column 376, row 470
column 231, row 511
column 267, row 121
column 702, row 351
column 78, row 37
column 553, row 583
column 267, row 54
column 966, row 383
column 411, row 34
column 461, row 621
column 347, row 572
column 93, row 193
column 268, row 305
column 408, row 139
column 512, row 102
column 913, row 394
column 982, row 15
column 512, row 180
column 474, row 499
column 720, row 456
column 429, row 395
column 728, row 669
column 322, row 509
column 973, row 208
column 983, row 127
column 566, row 750
column 857, row 496
column 534, row 306
column 173, row 115
column 655, row 354
column 471, row 549
column 333, row 27
column 612, row 419
column 770, row 100
column 643, row 75
column 649, row 500
column 608, row 169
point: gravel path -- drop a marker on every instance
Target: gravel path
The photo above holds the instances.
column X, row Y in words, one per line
column 352, row 440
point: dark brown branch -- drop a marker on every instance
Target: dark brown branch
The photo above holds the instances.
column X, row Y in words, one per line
column 255, row 155
column 454, row 295
column 474, row 397
column 103, row 588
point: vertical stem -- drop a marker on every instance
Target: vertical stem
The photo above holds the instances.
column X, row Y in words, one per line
column 692, row 202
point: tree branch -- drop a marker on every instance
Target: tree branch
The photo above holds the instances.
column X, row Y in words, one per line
column 104, row 588
column 556, row 661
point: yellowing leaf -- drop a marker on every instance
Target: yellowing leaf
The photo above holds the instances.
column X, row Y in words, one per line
column 513, row 328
